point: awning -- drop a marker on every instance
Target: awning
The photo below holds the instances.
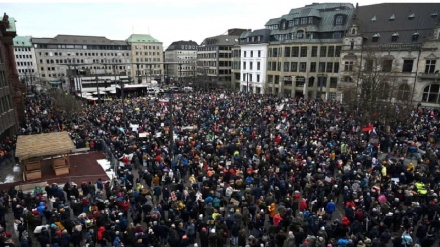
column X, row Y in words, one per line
column 100, row 92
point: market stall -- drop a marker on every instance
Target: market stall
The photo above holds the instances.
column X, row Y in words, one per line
column 32, row 149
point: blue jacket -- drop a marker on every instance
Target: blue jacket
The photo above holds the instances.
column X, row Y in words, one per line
column 330, row 208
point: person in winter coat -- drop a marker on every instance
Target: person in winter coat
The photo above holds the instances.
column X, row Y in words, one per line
column 204, row 237
column 100, row 237
column 65, row 238
column 272, row 210
column 290, row 240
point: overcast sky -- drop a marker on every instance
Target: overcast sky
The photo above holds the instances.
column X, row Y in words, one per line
column 165, row 20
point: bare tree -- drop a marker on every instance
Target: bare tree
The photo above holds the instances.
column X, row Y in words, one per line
column 66, row 105
column 374, row 91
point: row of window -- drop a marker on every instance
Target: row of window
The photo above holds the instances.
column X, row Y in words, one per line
column 26, row 71
column 83, row 47
column 24, row 64
column 251, row 53
column 251, row 65
column 78, row 61
column 300, row 81
column 339, row 20
column 148, row 59
column 22, row 49
column 323, row 67
column 387, row 66
column 5, row 104
column 148, row 53
column 302, row 51
column 149, row 47
column 23, row 56
column 80, row 54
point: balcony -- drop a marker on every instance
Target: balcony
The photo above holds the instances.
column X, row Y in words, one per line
column 431, row 76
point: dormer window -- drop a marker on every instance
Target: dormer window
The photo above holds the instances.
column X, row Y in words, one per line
column 392, row 18
column 375, row 37
column 415, row 36
column 411, row 16
column 374, row 19
column 394, row 37
column 339, row 20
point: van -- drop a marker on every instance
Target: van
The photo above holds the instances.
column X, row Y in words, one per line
column 151, row 90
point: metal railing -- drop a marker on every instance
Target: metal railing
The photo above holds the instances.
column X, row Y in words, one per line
column 114, row 162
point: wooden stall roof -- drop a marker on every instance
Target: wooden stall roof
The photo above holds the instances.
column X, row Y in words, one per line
column 48, row 144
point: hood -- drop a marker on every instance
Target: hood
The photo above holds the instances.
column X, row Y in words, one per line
column 101, row 229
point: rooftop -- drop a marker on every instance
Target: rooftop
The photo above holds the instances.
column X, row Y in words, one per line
column 142, row 38
column 21, row 41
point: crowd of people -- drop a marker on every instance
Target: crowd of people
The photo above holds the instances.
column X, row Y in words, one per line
column 230, row 169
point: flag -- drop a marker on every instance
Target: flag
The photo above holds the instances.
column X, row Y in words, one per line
column 368, row 128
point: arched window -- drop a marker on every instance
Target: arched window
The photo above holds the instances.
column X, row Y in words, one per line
column 402, row 93
column 431, row 93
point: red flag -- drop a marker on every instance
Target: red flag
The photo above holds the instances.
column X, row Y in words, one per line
column 367, row 128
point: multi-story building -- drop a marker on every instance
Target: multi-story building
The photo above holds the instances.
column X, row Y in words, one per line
column 26, row 61
column 214, row 58
column 304, row 52
column 93, row 54
column 236, row 67
column 11, row 90
column 253, row 60
column 185, row 54
column 147, row 57
column 400, row 43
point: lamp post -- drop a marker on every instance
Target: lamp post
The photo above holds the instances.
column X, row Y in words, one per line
column 97, row 88
column 180, row 74
column 247, row 83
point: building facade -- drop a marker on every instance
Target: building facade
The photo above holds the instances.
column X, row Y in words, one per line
column 26, row 61
column 185, row 54
column 147, row 57
column 11, row 90
column 59, row 56
column 400, row 42
column 214, row 58
column 303, row 57
column 253, row 60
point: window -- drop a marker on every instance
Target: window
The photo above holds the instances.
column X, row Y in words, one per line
column 296, row 21
column 293, row 67
column 313, row 67
column 314, row 51
column 304, row 21
column 323, row 51
column 295, row 51
column 279, row 66
column 321, row 67
column 375, row 37
column 333, row 82
column 251, row 65
column 407, row 65
column 336, row 68
column 286, row 67
column 348, row 66
column 259, row 53
column 304, row 51
column 244, row 54
column 403, row 92
column 415, row 36
column 252, row 53
column 287, row 51
column 387, row 65
column 331, row 51
column 369, row 65
column 430, row 66
column 339, row 20
column 244, row 65
column 329, row 67
column 310, row 21
column 338, row 51
column 431, row 93
column 258, row 65
column 394, row 37
column 302, row 67
column 300, row 34
column 299, row 81
column 351, row 45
